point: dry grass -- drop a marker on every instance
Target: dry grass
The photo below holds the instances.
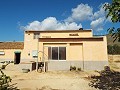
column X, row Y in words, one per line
column 114, row 62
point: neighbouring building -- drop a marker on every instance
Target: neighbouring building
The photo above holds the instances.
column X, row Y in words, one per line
column 11, row 51
column 59, row 49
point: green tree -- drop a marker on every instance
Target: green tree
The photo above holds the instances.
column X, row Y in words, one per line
column 113, row 11
column 114, row 50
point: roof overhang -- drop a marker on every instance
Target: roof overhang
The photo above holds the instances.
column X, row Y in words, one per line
column 70, row 39
column 56, row 31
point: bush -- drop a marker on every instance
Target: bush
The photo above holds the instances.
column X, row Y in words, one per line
column 4, row 82
column 79, row 69
column 108, row 80
column 72, row 68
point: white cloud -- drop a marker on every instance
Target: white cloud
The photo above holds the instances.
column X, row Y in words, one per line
column 99, row 19
column 51, row 23
column 98, row 24
column 83, row 12
column 80, row 13
column 100, row 13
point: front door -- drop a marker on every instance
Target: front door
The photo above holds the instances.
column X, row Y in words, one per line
column 17, row 58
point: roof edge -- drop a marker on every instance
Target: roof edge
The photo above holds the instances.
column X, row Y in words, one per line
column 85, row 30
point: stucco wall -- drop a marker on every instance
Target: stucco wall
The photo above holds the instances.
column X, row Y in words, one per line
column 86, row 54
column 79, row 51
column 30, row 44
column 65, row 34
column 9, row 54
column 95, row 50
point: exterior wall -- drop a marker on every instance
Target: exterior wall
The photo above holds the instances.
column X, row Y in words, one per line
column 95, row 55
column 65, row 34
column 30, row 44
column 75, row 52
column 83, row 50
column 9, row 54
column 88, row 55
column 91, row 55
column 95, row 50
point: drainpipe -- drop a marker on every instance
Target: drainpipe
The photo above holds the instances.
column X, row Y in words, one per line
column 83, row 56
column 37, row 54
column 43, row 59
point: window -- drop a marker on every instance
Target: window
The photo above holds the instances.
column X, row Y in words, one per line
column 57, row 53
column 36, row 35
column 2, row 53
column 35, row 53
column 62, row 53
column 54, row 53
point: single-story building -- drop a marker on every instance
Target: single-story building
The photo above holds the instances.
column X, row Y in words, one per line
column 60, row 49
column 11, row 51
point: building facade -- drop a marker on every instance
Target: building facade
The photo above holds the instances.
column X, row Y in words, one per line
column 64, row 48
column 59, row 50
column 11, row 51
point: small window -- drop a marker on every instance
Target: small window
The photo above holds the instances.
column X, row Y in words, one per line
column 36, row 35
column 35, row 53
column 2, row 53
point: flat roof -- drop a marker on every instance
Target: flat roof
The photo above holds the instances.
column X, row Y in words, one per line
column 49, row 31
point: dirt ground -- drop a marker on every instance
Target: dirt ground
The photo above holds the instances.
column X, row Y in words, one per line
column 54, row 80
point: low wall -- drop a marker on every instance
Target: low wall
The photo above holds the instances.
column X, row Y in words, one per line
column 86, row 65
column 28, row 65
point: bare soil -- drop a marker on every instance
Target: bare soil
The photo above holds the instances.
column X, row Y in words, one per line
column 54, row 80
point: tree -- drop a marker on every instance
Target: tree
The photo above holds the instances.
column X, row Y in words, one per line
column 113, row 11
column 113, row 49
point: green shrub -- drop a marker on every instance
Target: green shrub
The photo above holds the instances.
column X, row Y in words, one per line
column 72, row 68
column 4, row 82
column 79, row 69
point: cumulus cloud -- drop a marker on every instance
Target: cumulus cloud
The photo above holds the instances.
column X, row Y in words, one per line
column 83, row 12
column 80, row 13
column 100, row 13
column 98, row 24
column 51, row 23
column 99, row 19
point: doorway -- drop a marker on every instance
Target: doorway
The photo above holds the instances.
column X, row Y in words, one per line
column 17, row 58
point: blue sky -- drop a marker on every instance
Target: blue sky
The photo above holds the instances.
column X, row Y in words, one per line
column 19, row 15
